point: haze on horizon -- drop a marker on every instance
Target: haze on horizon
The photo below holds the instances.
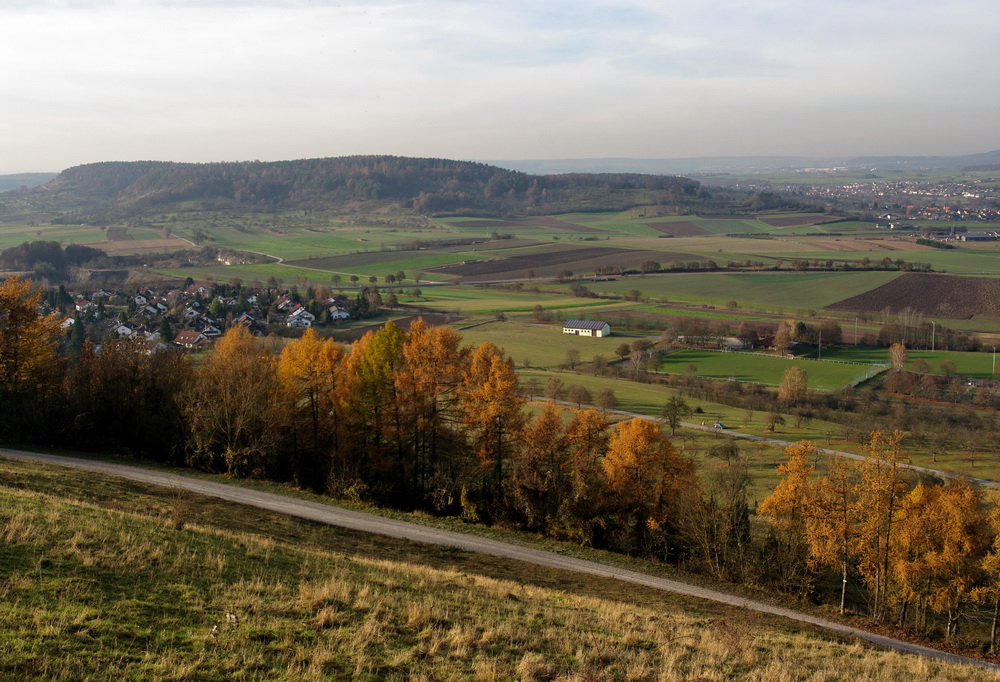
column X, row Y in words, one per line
column 223, row 80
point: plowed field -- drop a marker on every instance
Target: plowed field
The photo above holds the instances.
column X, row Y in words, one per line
column 957, row 298
column 583, row 261
column 678, row 228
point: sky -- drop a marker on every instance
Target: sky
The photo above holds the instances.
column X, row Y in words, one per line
column 231, row 80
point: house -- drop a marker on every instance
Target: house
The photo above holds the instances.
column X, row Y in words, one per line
column 586, row 328
column 300, row 313
column 191, row 340
column 127, row 329
column 337, row 313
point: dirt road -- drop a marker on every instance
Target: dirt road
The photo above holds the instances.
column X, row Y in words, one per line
column 416, row 533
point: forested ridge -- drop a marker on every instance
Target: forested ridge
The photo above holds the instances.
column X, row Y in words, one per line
column 418, row 420
column 116, row 190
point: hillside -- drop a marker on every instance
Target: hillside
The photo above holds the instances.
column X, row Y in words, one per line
column 109, row 578
column 119, row 190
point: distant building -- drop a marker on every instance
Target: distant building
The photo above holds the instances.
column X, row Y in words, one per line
column 586, row 328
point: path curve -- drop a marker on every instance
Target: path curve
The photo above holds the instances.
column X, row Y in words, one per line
column 369, row 523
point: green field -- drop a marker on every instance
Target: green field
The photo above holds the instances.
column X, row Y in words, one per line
column 776, row 291
column 542, row 345
column 761, row 369
column 974, row 365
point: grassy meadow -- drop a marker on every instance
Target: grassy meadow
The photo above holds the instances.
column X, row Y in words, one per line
column 106, row 578
column 761, row 369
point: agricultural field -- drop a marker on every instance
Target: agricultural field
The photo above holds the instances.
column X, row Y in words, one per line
column 761, row 369
column 939, row 296
column 773, row 290
column 542, row 346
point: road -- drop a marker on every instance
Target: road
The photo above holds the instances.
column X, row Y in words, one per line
column 368, row 523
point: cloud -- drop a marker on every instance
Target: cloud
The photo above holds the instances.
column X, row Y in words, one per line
column 211, row 79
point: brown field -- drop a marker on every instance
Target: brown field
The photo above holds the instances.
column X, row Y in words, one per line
column 130, row 245
column 680, row 228
column 583, row 261
column 945, row 296
column 530, row 222
column 792, row 220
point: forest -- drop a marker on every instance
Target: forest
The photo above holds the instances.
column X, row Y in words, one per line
column 418, row 420
column 114, row 190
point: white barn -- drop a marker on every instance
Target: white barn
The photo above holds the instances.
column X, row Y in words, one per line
column 586, row 328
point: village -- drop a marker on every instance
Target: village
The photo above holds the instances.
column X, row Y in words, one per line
column 193, row 316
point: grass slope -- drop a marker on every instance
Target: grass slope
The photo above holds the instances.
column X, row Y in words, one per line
column 102, row 582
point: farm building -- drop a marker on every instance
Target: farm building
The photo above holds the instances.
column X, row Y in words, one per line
column 586, row 328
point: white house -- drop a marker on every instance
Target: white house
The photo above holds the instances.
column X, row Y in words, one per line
column 586, row 328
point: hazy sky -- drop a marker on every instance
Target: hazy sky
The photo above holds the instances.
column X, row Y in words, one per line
column 213, row 80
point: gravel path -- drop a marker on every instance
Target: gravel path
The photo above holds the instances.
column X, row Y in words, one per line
column 417, row 533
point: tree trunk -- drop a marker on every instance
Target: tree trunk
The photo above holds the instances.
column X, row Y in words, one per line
column 843, row 586
column 993, row 629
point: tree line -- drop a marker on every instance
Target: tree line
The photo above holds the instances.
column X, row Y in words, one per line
column 919, row 548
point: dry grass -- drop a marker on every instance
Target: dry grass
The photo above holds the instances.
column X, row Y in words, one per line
column 92, row 592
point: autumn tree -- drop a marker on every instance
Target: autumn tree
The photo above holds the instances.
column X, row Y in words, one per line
column 492, row 413
column 433, row 364
column 783, row 337
column 234, row 408
column 579, row 517
column 898, row 356
column 374, row 451
column 793, row 388
column 942, row 538
column 989, row 591
column 789, row 506
column 309, row 370
column 646, row 478
column 30, row 369
column 879, row 505
column 833, row 521
column 540, row 480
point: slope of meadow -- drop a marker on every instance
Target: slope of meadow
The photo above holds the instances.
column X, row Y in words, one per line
column 106, row 578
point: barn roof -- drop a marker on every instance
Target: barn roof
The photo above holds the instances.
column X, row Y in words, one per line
column 584, row 324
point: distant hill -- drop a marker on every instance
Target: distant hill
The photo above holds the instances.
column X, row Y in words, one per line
column 751, row 164
column 117, row 190
column 21, row 180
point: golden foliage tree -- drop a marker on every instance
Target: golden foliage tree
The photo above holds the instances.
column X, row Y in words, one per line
column 29, row 365
column 794, row 384
column 427, row 383
column 942, row 541
column 492, row 409
column 541, row 472
column 646, row 478
column 833, row 520
column 234, row 408
column 879, row 503
column 310, row 370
